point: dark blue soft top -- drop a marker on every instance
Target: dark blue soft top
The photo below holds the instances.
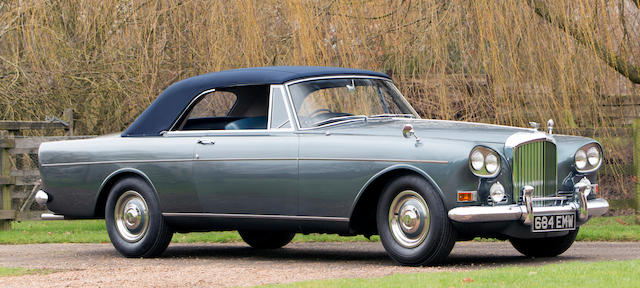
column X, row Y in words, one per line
column 161, row 114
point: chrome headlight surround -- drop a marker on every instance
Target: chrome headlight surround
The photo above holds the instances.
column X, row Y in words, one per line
column 588, row 158
column 489, row 159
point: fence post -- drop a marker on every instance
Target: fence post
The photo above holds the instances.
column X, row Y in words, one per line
column 67, row 116
column 5, row 188
column 636, row 166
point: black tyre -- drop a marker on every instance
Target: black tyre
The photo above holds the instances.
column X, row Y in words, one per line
column 544, row 247
column 412, row 222
column 134, row 221
column 266, row 239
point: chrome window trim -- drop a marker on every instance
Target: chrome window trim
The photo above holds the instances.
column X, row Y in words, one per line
column 270, row 108
column 285, row 101
column 346, row 76
column 239, row 132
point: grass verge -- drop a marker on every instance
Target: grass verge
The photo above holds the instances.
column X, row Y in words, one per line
column 17, row 271
column 619, row 228
column 569, row 274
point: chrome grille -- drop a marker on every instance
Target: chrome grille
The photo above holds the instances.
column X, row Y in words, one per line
column 534, row 164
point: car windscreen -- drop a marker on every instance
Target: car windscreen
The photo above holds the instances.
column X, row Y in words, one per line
column 325, row 101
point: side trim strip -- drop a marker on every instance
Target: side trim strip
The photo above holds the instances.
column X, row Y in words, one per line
column 248, row 159
column 114, row 162
column 258, row 216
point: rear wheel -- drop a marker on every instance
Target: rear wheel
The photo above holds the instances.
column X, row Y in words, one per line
column 266, row 239
column 412, row 222
column 134, row 222
column 544, row 247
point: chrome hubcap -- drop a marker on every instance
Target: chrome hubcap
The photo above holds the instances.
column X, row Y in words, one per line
column 132, row 216
column 409, row 219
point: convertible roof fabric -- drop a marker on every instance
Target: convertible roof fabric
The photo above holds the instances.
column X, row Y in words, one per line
column 160, row 115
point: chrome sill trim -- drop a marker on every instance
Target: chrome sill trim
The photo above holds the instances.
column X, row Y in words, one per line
column 257, row 216
column 471, row 214
column 243, row 159
column 376, row 160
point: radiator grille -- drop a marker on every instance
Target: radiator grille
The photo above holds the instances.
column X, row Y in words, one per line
column 534, row 164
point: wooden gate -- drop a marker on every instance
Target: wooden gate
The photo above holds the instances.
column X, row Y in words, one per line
column 19, row 174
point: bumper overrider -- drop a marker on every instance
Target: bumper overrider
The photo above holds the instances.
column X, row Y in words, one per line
column 581, row 206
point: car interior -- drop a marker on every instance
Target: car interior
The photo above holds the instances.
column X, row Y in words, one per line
column 232, row 108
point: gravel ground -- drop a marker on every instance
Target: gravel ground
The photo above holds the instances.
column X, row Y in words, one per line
column 235, row 264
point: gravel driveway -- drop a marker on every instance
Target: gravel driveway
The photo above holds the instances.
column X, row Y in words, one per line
column 234, row 264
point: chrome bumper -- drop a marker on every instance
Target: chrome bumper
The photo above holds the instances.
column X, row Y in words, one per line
column 583, row 207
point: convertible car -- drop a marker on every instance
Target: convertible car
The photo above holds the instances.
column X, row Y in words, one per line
column 275, row 151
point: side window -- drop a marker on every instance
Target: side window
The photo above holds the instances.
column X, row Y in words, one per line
column 214, row 104
column 279, row 117
column 230, row 108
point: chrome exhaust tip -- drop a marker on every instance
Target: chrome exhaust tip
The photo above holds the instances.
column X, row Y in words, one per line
column 49, row 216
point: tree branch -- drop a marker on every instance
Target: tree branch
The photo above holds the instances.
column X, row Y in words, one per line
column 622, row 66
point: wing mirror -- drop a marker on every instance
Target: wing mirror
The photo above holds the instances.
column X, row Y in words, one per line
column 408, row 132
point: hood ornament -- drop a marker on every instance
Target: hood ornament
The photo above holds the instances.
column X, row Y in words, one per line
column 408, row 132
column 550, row 124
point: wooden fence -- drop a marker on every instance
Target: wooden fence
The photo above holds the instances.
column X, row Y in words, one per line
column 18, row 161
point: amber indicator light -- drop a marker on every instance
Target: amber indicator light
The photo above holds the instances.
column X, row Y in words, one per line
column 465, row 196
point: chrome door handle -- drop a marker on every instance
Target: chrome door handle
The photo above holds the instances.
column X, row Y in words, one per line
column 206, row 142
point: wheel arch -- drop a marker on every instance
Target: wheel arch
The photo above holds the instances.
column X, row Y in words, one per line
column 112, row 179
column 367, row 197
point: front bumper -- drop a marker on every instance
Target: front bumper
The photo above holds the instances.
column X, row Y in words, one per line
column 595, row 207
column 583, row 207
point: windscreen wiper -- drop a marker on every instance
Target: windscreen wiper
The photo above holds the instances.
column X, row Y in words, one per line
column 340, row 119
column 392, row 116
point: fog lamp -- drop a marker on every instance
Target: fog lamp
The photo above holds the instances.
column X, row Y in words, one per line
column 496, row 192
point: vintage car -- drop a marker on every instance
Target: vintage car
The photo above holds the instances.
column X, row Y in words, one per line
column 275, row 151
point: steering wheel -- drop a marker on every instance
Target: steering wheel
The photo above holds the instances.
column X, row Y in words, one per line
column 315, row 114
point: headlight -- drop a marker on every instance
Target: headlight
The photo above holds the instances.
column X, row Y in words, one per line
column 593, row 155
column 581, row 159
column 491, row 163
column 477, row 160
column 484, row 162
column 588, row 158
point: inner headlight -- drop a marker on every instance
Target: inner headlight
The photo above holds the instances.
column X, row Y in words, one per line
column 593, row 156
column 588, row 158
column 581, row 159
column 484, row 162
column 491, row 163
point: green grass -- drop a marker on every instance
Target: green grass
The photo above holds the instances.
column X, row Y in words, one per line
column 17, row 271
column 621, row 228
column 94, row 231
column 571, row 274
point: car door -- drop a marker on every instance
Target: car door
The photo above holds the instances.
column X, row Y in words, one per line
column 244, row 169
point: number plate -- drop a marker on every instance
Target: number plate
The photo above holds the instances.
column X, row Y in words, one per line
column 546, row 223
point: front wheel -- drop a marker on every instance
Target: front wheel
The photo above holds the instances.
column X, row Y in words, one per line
column 134, row 222
column 412, row 222
column 544, row 247
column 266, row 239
